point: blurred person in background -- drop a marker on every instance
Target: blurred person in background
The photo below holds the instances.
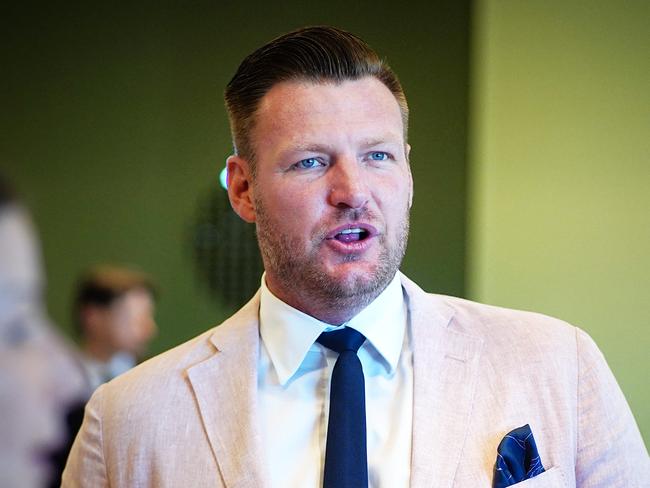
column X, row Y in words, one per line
column 41, row 381
column 113, row 310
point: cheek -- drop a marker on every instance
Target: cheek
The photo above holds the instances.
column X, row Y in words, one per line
column 393, row 193
column 292, row 208
column 146, row 329
column 395, row 204
column 123, row 332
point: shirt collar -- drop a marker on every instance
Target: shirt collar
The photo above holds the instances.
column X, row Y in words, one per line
column 288, row 333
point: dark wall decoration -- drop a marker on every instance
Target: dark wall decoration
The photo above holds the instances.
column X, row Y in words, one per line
column 226, row 255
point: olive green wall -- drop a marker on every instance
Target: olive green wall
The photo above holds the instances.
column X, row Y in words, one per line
column 112, row 128
column 560, row 185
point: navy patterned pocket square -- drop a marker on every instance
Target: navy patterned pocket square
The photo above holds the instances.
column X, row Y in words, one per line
column 517, row 458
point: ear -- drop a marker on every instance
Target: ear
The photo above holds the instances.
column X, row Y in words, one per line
column 240, row 188
column 408, row 165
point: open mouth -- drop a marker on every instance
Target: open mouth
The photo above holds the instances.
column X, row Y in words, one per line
column 353, row 234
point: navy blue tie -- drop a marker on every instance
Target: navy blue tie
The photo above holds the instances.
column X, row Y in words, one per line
column 346, row 459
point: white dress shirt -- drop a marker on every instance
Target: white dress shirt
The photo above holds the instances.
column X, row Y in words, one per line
column 293, row 379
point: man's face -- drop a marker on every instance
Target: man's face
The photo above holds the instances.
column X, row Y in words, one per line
column 127, row 325
column 332, row 191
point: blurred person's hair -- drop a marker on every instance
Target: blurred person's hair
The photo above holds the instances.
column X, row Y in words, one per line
column 102, row 285
column 314, row 54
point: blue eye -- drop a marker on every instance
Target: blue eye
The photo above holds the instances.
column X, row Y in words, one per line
column 378, row 156
column 307, row 163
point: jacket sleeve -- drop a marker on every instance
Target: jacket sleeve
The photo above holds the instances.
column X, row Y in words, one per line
column 610, row 450
column 86, row 466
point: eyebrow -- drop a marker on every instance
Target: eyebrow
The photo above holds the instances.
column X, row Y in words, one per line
column 308, row 147
column 388, row 138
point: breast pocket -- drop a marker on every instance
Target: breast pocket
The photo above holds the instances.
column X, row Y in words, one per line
column 551, row 478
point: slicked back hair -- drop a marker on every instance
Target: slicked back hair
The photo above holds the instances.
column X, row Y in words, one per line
column 314, row 54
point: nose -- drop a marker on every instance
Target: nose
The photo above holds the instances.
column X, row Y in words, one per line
column 348, row 187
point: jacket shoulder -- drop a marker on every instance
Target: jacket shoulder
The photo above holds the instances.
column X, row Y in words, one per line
column 479, row 318
column 487, row 322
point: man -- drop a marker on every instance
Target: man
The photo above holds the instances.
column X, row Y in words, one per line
column 321, row 167
column 113, row 311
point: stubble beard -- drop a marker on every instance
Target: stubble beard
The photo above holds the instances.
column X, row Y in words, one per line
column 304, row 276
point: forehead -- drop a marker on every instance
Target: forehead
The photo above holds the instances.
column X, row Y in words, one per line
column 136, row 298
column 353, row 109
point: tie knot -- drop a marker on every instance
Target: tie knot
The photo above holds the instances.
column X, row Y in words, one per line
column 340, row 340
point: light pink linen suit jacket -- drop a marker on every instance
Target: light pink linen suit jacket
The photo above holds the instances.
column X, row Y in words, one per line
column 187, row 418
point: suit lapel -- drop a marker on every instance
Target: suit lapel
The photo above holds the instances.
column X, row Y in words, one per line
column 225, row 386
column 445, row 371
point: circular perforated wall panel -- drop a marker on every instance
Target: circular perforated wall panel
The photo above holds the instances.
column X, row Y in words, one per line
column 227, row 258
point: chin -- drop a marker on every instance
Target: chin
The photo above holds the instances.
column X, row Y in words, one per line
column 356, row 281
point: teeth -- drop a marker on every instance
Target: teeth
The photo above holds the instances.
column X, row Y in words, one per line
column 356, row 230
